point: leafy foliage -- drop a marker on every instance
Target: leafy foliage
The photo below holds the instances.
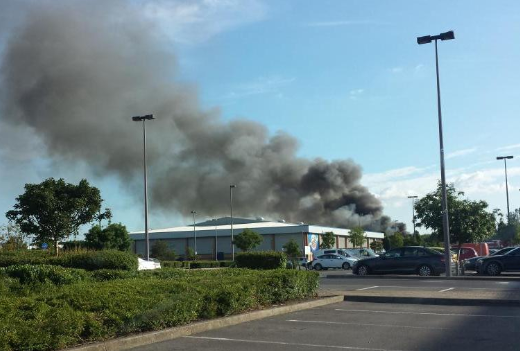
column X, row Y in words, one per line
column 377, row 246
column 413, row 240
column 56, row 317
column 113, row 237
column 357, row 237
column 247, row 240
column 12, row 238
column 396, row 240
column 328, row 240
column 161, row 251
column 261, row 260
column 469, row 220
column 292, row 249
column 53, row 209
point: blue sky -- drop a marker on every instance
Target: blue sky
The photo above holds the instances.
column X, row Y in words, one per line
column 348, row 80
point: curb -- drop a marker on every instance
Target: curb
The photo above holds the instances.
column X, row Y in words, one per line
column 480, row 278
column 432, row 300
column 129, row 342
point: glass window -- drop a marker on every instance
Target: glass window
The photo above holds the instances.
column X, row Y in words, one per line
column 410, row 252
column 393, row 253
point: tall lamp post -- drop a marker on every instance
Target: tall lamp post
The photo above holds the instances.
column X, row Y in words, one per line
column 194, row 233
column 413, row 197
column 505, row 158
column 445, row 221
column 231, row 187
column 146, row 234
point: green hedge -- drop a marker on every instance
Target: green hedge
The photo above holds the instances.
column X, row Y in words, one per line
column 89, row 260
column 92, row 311
column 33, row 274
column 261, row 260
column 195, row 264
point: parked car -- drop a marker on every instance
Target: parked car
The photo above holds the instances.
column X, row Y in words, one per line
column 471, row 264
column 494, row 265
column 342, row 252
column 304, row 262
column 333, row 261
column 404, row 260
column 441, row 250
column 145, row 265
column 464, row 253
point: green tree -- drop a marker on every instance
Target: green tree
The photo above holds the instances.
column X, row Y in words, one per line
column 396, row 240
column 53, row 210
column 328, row 240
column 247, row 240
column 292, row 249
column 357, row 237
column 161, row 250
column 12, row 238
column 114, row 236
column 376, row 246
column 469, row 220
column 413, row 240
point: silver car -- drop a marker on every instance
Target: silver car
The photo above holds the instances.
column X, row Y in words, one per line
column 333, row 261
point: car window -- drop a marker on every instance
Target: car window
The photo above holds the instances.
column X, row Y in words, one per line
column 322, row 257
column 393, row 253
column 422, row 253
column 410, row 252
column 329, row 251
column 515, row 252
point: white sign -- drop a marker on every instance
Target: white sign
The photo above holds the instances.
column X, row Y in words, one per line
column 307, row 250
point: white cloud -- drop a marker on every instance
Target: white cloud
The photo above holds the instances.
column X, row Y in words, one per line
column 196, row 21
column 462, row 152
column 509, row 147
column 261, row 85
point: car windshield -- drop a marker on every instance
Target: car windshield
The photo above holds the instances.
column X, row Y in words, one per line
column 502, row 251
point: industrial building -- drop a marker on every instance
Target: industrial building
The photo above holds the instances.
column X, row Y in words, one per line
column 212, row 239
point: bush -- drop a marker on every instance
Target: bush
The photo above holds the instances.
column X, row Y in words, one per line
column 11, row 258
column 152, row 300
column 102, row 275
column 172, row 264
column 92, row 260
column 204, row 264
column 33, row 274
column 261, row 260
column 226, row 263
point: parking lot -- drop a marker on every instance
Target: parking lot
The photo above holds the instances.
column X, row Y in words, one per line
column 365, row 326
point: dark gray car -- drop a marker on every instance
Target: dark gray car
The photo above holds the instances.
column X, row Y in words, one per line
column 404, row 260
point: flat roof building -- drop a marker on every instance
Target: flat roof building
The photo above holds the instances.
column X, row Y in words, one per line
column 213, row 237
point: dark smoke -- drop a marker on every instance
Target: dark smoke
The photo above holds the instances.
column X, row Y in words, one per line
column 75, row 72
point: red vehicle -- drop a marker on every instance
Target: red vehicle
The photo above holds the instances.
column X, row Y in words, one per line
column 464, row 253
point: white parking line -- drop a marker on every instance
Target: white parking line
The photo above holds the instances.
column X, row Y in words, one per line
column 431, row 313
column 371, row 287
column 289, row 343
column 444, row 290
column 365, row 324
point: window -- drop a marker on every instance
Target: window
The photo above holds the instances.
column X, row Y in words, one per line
column 393, row 253
column 410, row 252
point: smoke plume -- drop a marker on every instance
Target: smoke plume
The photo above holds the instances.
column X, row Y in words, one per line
column 75, row 72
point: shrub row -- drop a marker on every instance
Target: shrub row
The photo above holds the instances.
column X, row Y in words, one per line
column 195, row 264
column 85, row 312
column 261, row 260
column 89, row 260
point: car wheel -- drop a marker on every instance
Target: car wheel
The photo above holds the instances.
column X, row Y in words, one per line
column 318, row 267
column 362, row 270
column 493, row 269
column 346, row 266
column 425, row 271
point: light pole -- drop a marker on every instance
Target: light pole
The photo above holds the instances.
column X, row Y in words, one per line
column 505, row 158
column 146, row 234
column 216, row 243
column 231, row 187
column 445, row 221
column 413, row 197
column 194, row 233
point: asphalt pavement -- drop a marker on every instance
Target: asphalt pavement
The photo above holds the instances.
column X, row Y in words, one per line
column 365, row 326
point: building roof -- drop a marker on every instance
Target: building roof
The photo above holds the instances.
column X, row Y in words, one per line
column 260, row 226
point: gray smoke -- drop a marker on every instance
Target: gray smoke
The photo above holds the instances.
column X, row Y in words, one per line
column 75, row 72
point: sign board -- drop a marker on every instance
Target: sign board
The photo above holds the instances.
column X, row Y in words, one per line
column 307, row 250
column 45, row 246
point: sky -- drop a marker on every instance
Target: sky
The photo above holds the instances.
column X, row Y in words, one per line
column 348, row 80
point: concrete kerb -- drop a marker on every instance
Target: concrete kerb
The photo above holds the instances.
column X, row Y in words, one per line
column 471, row 277
column 129, row 342
column 432, row 300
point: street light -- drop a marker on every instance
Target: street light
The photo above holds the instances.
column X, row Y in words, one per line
column 146, row 234
column 194, row 233
column 505, row 158
column 231, row 187
column 445, row 221
column 413, row 197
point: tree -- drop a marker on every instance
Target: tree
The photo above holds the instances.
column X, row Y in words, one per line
column 54, row 209
column 247, row 240
column 292, row 249
column 377, row 246
column 357, row 237
column 413, row 240
column 161, row 251
column 114, row 236
column 328, row 240
column 469, row 220
column 396, row 240
column 12, row 238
